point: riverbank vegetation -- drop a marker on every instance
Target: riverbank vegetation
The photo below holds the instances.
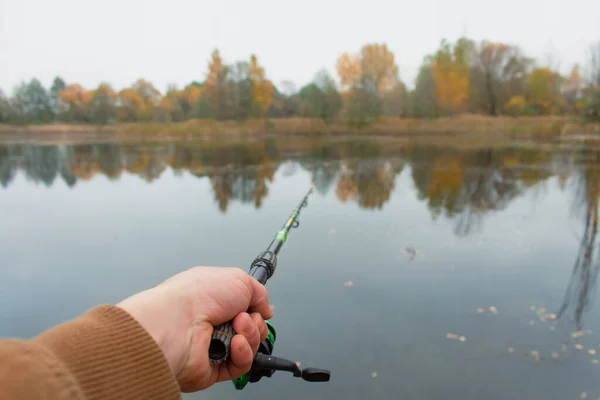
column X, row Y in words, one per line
column 456, row 86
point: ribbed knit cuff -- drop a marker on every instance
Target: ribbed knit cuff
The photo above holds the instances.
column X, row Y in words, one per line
column 112, row 356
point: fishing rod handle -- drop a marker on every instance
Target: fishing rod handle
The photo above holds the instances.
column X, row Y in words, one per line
column 262, row 269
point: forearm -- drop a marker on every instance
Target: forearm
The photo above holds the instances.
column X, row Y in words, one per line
column 103, row 354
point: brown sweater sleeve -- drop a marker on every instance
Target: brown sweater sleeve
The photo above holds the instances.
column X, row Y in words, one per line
column 103, row 354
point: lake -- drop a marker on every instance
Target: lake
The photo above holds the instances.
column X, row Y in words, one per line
column 418, row 271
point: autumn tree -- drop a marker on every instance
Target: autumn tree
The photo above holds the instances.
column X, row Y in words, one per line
column 261, row 88
column 76, row 99
column 573, row 90
column 169, row 107
column 178, row 105
column 367, row 78
column 150, row 97
column 216, row 86
column 495, row 64
column 131, row 106
column 102, row 107
column 450, row 68
column 543, row 91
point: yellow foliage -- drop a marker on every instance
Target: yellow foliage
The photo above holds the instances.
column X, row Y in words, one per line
column 452, row 85
column 349, row 70
column 516, row 106
column 262, row 89
column 132, row 106
column 192, row 94
column 543, row 91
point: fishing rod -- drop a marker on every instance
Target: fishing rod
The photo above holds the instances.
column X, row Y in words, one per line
column 264, row 364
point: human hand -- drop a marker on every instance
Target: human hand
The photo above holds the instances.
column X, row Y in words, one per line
column 180, row 314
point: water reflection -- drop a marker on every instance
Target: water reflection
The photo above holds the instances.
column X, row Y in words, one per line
column 461, row 184
column 585, row 270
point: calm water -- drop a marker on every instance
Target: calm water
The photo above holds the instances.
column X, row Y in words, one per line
column 399, row 247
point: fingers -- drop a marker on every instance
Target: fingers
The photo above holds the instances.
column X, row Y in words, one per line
column 259, row 301
column 241, row 357
column 249, row 327
column 261, row 325
column 250, row 330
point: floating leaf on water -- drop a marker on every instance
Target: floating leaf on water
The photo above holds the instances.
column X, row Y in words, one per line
column 531, row 322
column 532, row 308
column 451, row 336
column 577, row 334
column 349, row 284
column 480, row 310
column 595, row 361
column 592, row 352
column 494, row 310
column 462, row 338
column 331, row 231
column 511, row 350
column 535, row 354
column 374, row 374
column 551, row 316
column 541, row 311
column 579, row 346
column 543, row 317
column 410, row 251
column 583, row 395
column 555, row 354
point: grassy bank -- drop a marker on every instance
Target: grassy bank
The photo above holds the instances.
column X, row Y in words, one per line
column 521, row 127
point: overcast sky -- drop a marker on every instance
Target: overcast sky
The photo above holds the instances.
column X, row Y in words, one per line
column 170, row 41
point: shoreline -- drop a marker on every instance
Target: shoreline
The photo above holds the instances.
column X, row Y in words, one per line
column 460, row 127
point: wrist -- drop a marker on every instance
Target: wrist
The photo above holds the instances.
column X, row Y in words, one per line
column 162, row 321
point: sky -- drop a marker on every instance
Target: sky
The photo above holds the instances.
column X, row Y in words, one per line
column 170, row 42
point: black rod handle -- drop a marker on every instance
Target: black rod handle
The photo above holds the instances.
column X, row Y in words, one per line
column 220, row 343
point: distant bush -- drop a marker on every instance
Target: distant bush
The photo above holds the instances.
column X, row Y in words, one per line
column 591, row 107
column 516, row 106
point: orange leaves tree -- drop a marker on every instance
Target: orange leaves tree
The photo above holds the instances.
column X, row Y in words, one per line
column 76, row 100
column 366, row 78
column 237, row 91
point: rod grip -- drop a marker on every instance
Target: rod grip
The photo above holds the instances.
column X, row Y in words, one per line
column 220, row 343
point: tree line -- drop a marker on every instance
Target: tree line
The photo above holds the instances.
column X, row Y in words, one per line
column 466, row 76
